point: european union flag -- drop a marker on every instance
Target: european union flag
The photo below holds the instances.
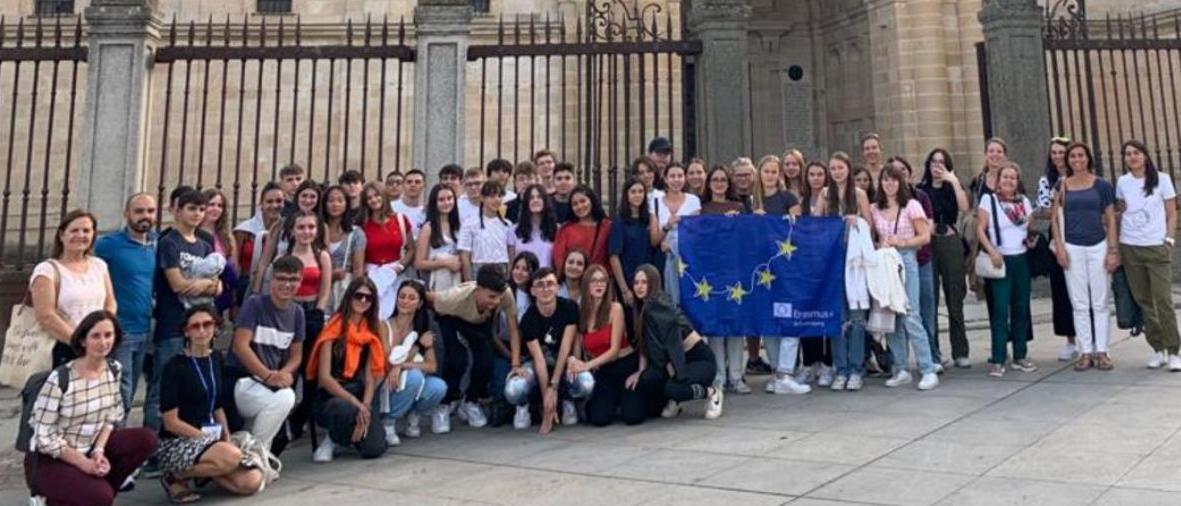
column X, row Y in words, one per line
column 752, row 275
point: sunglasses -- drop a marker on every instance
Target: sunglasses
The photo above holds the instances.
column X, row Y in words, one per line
column 205, row 325
column 362, row 297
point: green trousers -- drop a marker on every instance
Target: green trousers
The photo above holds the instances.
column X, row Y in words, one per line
column 1150, row 276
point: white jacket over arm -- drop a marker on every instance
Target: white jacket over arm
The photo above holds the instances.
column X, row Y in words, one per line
column 887, row 281
column 859, row 259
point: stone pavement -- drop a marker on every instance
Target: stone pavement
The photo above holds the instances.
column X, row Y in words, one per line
column 1045, row 438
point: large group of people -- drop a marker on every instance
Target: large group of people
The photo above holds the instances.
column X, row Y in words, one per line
column 356, row 311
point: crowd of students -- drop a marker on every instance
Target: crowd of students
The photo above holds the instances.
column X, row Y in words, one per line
column 508, row 294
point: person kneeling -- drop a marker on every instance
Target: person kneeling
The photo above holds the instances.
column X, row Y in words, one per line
column 611, row 356
column 195, row 440
column 411, row 385
column 548, row 330
column 346, row 362
column 677, row 364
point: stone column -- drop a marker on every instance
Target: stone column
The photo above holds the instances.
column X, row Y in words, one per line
column 123, row 34
column 723, row 85
column 442, row 28
column 1017, row 81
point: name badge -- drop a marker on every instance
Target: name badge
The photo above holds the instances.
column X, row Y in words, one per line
column 213, row 431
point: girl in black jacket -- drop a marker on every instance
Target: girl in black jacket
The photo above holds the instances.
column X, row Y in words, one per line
column 675, row 362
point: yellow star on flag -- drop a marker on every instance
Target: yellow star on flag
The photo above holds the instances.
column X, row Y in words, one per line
column 766, row 277
column 681, row 267
column 704, row 289
column 786, row 248
column 737, row 292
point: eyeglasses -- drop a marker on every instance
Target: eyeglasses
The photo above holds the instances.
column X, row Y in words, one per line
column 598, row 280
column 362, row 297
column 287, row 280
column 205, row 325
column 545, row 284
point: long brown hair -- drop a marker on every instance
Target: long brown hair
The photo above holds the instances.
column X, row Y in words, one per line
column 602, row 314
column 222, row 226
column 654, row 289
column 903, row 197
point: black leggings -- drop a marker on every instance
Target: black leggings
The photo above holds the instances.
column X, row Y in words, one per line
column 467, row 358
column 699, row 373
column 611, row 394
column 339, row 417
column 816, row 349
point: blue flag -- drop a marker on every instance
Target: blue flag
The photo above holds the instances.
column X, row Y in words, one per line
column 754, row 275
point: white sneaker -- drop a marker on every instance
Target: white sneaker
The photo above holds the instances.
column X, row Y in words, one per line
column 671, row 410
column 1174, row 363
column 788, row 385
column 854, row 383
column 929, row 381
column 412, row 430
column 740, row 387
column 770, row 386
column 805, row 376
column 713, row 405
column 1156, row 360
column 325, row 451
column 569, row 413
column 963, row 363
column 839, row 382
column 824, row 379
column 441, row 419
column 1066, row 354
column 522, row 420
column 391, row 432
column 900, row 378
column 938, row 368
column 472, row 414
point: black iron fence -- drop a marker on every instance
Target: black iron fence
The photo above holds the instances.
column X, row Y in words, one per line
column 233, row 102
column 42, row 87
column 593, row 90
column 1115, row 79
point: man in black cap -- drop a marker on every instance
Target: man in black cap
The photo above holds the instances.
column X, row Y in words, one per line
column 660, row 151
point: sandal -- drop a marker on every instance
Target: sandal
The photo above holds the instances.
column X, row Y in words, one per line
column 177, row 491
column 1103, row 362
column 1083, row 363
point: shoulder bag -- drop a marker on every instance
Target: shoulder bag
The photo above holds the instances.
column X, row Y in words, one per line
column 984, row 267
column 28, row 347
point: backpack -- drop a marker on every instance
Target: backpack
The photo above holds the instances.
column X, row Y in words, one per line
column 32, row 390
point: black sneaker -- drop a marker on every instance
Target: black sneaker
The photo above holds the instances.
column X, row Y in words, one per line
column 757, row 367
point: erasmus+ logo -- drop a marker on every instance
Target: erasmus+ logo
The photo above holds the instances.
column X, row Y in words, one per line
column 782, row 310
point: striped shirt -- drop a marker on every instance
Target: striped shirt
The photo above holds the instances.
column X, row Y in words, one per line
column 77, row 417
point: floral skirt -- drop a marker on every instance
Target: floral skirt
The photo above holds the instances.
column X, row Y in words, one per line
column 178, row 454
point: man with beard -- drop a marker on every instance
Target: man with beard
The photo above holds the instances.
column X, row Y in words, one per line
column 130, row 254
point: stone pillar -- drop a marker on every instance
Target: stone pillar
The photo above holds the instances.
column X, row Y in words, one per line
column 723, row 84
column 442, row 28
column 122, row 36
column 1017, row 81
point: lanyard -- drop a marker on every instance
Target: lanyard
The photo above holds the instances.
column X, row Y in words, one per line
column 211, row 388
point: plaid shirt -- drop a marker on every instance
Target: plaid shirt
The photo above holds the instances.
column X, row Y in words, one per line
column 76, row 418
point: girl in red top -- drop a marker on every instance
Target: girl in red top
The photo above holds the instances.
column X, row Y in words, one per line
column 590, row 230
column 389, row 248
column 605, row 351
column 307, row 231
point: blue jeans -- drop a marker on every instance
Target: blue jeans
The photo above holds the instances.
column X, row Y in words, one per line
column 908, row 328
column 848, row 347
column 130, row 355
column 519, row 389
column 165, row 349
column 927, row 308
column 421, row 394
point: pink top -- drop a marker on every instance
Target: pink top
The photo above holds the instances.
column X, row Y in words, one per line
column 905, row 230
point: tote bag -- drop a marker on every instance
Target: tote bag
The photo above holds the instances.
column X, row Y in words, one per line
column 28, row 348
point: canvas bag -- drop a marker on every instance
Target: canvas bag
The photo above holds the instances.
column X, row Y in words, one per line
column 28, row 347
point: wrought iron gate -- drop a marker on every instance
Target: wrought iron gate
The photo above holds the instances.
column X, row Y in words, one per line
column 594, row 90
column 1115, row 79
